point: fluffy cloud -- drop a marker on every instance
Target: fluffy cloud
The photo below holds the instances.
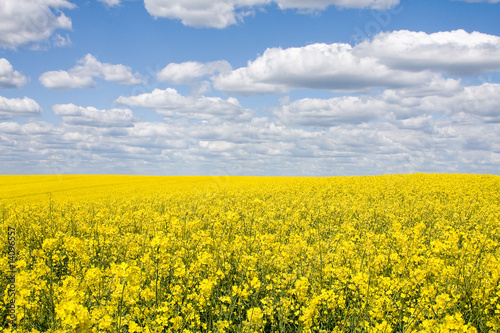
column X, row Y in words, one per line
column 439, row 129
column 222, row 13
column 435, row 128
column 187, row 72
column 90, row 116
column 9, row 78
column 391, row 60
column 64, row 80
column 327, row 113
column 170, row 103
column 83, row 74
column 450, row 143
column 457, row 53
column 15, row 107
column 479, row 100
column 316, row 66
column 29, row 21
column 399, row 107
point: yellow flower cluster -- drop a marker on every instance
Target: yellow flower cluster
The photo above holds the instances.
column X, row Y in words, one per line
column 399, row 253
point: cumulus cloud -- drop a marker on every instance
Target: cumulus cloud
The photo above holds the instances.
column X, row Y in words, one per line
column 479, row 100
column 330, row 112
column 419, row 120
column 15, row 107
column 223, row 13
column 260, row 146
column 83, row 74
column 395, row 106
column 91, row 116
column 9, row 78
column 31, row 21
column 457, row 53
column 188, row 72
column 437, row 129
column 316, row 66
column 391, row 60
column 62, row 80
column 170, row 103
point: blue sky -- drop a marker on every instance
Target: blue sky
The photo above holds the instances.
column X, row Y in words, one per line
column 249, row 87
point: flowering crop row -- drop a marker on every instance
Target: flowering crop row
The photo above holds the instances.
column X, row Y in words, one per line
column 401, row 253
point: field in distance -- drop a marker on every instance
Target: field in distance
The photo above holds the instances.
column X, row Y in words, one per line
column 396, row 253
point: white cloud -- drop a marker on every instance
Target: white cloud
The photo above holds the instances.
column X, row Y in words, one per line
column 170, row 103
column 90, row 116
column 30, row 21
column 241, row 81
column 15, row 107
column 439, row 129
column 399, row 107
column 456, row 52
column 9, row 78
column 258, row 147
column 391, row 60
column 223, row 13
column 61, row 41
column 66, row 80
column 83, row 74
column 321, row 112
column 315, row 66
column 480, row 100
column 203, row 13
column 188, row 72
column 111, row 3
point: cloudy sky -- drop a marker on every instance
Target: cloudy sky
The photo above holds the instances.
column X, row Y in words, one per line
column 249, row 87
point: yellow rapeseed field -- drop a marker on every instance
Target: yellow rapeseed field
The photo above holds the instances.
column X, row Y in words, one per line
column 399, row 253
